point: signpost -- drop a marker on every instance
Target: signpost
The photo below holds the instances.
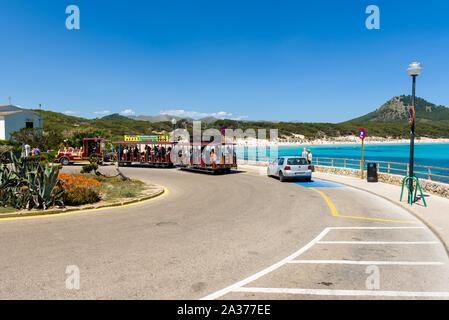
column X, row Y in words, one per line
column 362, row 135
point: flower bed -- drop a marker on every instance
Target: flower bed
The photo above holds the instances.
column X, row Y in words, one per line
column 34, row 186
column 79, row 189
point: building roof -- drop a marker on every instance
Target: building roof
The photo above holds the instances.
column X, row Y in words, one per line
column 8, row 109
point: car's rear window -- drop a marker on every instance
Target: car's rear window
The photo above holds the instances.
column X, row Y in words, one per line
column 296, row 161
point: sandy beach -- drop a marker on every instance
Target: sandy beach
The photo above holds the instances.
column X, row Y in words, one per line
column 334, row 141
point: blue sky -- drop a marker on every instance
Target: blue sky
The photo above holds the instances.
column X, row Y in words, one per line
column 271, row 60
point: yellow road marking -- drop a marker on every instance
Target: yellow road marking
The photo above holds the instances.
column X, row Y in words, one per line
column 165, row 193
column 335, row 213
column 334, row 210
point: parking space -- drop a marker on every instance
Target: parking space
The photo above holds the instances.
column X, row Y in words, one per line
column 406, row 262
column 317, row 183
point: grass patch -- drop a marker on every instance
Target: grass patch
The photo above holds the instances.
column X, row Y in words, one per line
column 7, row 210
column 113, row 191
column 115, row 188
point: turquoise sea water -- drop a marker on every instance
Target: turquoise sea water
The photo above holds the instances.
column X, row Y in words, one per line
column 428, row 154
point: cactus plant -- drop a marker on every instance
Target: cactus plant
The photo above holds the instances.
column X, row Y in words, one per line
column 29, row 184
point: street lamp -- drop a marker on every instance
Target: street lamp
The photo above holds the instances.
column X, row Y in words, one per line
column 414, row 69
column 173, row 121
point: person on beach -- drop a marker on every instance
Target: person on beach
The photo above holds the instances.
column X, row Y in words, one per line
column 304, row 154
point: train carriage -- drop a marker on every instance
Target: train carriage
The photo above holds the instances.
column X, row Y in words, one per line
column 148, row 151
column 92, row 151
column 210, row 157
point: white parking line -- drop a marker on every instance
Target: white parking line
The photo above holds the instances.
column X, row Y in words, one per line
column 413, row 263
column 275, row 266
column 327, row 292
column 372, row 228
column 239, row 286
column 377, row 242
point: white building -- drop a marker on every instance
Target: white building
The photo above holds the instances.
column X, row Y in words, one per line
column 13, row 119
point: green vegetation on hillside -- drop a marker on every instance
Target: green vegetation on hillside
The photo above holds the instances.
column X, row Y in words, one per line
column 395, row 111
column 320, row 130
column 388, row 121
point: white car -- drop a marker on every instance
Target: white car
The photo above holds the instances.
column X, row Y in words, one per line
column 290, row 167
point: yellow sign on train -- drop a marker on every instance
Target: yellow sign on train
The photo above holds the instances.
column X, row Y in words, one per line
column 132, row 138
column 135, row 138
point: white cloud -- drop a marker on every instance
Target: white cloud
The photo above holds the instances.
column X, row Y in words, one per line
column 103, row 112
column 70, row 112
column 196, row 114
column 128, row 112
column 239, row 118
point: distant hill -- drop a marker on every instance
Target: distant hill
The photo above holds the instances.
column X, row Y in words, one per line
column 208, row 120
column 395, row 111
column 166, row 117
column 115, row 116
column 387, row 121
column 113, row 125
column 158, row 118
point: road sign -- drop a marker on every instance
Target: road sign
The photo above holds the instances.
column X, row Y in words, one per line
column 223, row 132
column 362, row 133
column 411, row 115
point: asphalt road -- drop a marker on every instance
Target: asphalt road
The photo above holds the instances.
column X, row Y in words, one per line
column 211, row 237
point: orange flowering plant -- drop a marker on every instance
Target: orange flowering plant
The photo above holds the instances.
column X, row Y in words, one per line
column 79, row 189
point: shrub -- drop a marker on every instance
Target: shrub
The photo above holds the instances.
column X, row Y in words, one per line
column 29, row 184
column 38, row 159
column 96, row 158
column 80, row 195
column 51, row 155
column 88, row 168
column 79, row 190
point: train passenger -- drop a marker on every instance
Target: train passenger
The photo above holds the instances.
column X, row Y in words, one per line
column 213, row 158
column 148, row 153
column 125, row 154
column 120, row 152
column 167, row 159
column 153, row 154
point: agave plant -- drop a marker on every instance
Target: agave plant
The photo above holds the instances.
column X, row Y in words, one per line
column 30, row 184
column 8, row 182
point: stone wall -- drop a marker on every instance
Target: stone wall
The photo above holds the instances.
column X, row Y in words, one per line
column 433, row 187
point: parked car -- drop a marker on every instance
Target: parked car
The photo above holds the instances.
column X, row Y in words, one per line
column 290, row 167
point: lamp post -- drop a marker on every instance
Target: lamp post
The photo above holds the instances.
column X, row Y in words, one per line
column 40, row 116
column 414, row 69
column 173, row 121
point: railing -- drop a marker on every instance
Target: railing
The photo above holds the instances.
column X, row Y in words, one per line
column 430, row 173
column 426, row 172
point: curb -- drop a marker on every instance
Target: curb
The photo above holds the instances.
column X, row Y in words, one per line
column 54, row 213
